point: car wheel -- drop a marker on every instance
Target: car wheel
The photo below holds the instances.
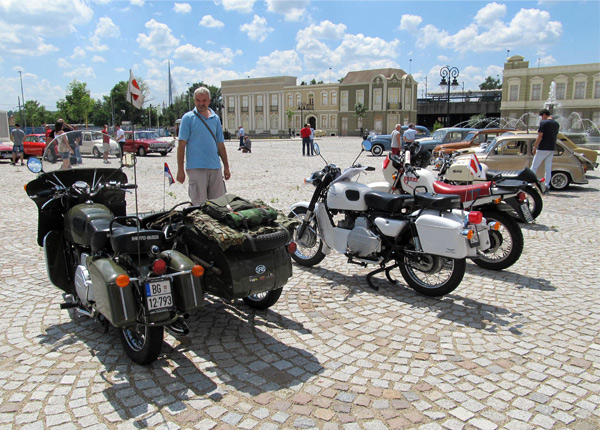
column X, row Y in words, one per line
column 377, row 150
column 96, row 152
column 560, row 180
column 141, row 151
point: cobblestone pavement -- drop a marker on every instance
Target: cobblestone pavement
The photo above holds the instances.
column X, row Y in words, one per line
column 517, row 349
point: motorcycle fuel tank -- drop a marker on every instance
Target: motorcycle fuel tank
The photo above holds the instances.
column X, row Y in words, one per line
column 87, row 224
column 347, row 196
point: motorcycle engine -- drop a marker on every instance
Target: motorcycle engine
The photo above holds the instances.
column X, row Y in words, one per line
column 83, row 283
column 362, row 241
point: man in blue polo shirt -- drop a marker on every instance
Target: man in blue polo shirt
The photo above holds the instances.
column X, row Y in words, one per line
column 201, row 135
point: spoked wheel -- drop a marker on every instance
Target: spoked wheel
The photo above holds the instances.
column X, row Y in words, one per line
column 263, row 300
column 309, row 246
column 506, row 244
column 536, row 203
column 141, row 343
column 432, row 275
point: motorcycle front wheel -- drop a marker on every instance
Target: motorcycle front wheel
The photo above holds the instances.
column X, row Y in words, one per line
column 142, row 343
column 263, row 300
column 432, row 275
column 506, row 244
column 309, row 246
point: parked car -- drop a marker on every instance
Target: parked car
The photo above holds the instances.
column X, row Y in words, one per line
column 513, row 152
column 444, row 135
column 34, row 144
column 383, row 142
column 320, row 133
column 5, row 150
column 92, row 144
column 146, row 142
column 473, row 138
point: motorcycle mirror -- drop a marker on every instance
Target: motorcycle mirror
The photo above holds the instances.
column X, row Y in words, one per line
column 128, row 160
column 367, row 145
column 316, row 148
column 34, row 165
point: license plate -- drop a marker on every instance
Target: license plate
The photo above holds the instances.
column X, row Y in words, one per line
column 158, row 295
column 526, row 212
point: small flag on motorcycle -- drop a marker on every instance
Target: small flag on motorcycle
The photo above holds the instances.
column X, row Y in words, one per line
column 475, row 166
column 168, row 174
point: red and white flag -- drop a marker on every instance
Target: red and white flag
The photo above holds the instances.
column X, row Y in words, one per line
column 475, row 166
column 134, row 93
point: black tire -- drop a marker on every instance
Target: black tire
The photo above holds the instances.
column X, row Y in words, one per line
column 96, row 152
column 141, row 151
column 506, row 243
column 264, row 242
column 560, row 180
column 536, row 203
column 432, row 275
column 377, row 150
column 164, row 154
column 141, row 343
column 263, row 300
column 311, row 242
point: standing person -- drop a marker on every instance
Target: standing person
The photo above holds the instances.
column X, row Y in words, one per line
column 305, row 135
column 64, row 149
column 409, row 136
column 105, row 144
column 543, row 148
column 48, row 133
column 396, row 144
column 201, row 143
column 312, row 141
column 120, row 138
column 17, row 136
column 241, row 136
column 76, row 138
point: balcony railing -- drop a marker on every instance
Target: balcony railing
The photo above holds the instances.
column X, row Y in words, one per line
column 230, row 110
column 394, row 106
column 274, row 109
column 245, row 109
column 258, row 108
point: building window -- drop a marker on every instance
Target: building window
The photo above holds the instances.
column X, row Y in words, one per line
column 407, row 99
column 274, row 122
column 377, row 92
column 298, row 100
column 244, row 103
column 274, row 100
column 290, row 100
column 579, row 90
column 324, row 98
column 561, row 90
column 332, row 121
column 513, row 93
column 360, row 96
column 333, row 98
column 323, row 121
column 597, row 89
column 536, row 91
column 311, row 101
column 394, row 98
column 344, row 100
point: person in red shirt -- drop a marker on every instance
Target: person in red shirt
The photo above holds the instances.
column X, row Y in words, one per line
column 305, row 135
column 105, row 143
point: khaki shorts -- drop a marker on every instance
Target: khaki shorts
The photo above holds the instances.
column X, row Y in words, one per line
column 205, row 184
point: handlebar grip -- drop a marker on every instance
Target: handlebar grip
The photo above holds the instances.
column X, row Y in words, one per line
column 44, row 193
column 128, row 186
column 370, row 169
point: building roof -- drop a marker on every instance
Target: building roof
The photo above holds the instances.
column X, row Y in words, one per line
column 366, row 76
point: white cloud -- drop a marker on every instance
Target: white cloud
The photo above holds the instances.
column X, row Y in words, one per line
column 78, row 52
column 209, row 22
column 257, row 29
column 410, row 22
column 81, row 72
column 98, row 59
column 159, row 40
column 193, row 54
column 139, row 3
column 105, row 29
column 182, row 8
column 244, row 6
column 529, row 27
column 324, row 30
column 63, row 64
column 291, row 10
column 277, row 63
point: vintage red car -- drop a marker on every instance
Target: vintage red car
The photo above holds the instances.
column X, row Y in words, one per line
column 146, row 142
column 34, row 144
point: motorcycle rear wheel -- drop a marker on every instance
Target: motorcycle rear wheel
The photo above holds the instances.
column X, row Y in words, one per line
column 309, row 247
column 506, row 243
column 142, row 343
column 263, row 300
column 432, row 275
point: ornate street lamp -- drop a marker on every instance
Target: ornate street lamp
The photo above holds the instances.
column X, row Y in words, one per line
column 448, row 72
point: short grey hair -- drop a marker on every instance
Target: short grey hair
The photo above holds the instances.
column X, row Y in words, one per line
column 202, row 90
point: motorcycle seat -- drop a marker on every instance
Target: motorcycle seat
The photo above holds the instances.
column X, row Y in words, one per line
column 386, row 202
column 125, row 239
column 438, row 201
column 466, row 192
column 525, row 174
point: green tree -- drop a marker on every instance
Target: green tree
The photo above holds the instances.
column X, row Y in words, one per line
column 437, row 125
column 77, row 104
column 37, row 114
column 290, row 114
column 490, row 84
column 360, row 111
column 477, row 121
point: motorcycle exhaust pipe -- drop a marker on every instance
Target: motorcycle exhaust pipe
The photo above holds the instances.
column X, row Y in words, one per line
column 178, row 328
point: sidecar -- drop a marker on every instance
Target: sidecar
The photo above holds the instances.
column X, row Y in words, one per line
column 248, row 263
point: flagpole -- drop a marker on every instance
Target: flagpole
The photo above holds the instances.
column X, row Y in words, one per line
column 164, row 187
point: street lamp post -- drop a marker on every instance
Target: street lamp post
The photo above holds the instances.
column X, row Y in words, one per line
column 188, row 92
column 23, row 98
column 448, row 72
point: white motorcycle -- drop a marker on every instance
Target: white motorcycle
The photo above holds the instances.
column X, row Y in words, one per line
column 426, row 237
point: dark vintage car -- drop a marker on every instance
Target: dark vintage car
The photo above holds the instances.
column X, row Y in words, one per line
column 445, row 135
column 383, row 142
column 473, row 138
column 146, row 142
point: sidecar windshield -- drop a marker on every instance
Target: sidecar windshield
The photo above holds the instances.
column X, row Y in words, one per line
column 81, row 149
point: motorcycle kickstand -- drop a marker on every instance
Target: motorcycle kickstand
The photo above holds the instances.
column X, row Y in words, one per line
column 371, row 274
column 388, row 276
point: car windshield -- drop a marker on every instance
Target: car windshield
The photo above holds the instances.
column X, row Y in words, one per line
column 470, row 135
column 439, row 135
column 487, row 147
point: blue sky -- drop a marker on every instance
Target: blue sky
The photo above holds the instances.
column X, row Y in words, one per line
column 52, row 42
